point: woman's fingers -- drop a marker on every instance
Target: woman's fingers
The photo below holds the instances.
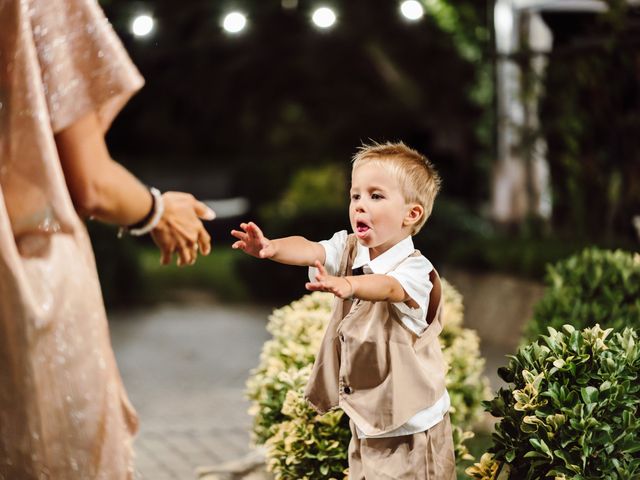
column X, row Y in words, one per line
column 184, row 252
column 165, row 243
column 165, row 257
column 193, row 251
column 203, row 212
column 204, row 242
column 184, row 257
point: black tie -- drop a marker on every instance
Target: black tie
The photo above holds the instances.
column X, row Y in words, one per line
column 357, row 271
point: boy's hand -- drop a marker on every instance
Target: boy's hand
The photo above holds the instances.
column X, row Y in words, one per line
column 339, row 286
column 252, row 241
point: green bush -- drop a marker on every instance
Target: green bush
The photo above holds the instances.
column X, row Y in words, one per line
column 304, row 445
column 314, row 205
column 297, row 331
column 594, row 286
column 571, row 411
column 312, row 189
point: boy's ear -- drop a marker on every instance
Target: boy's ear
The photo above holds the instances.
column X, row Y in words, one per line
column 414, row 215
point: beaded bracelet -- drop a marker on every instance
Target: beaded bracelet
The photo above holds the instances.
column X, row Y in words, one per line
column 150, row 221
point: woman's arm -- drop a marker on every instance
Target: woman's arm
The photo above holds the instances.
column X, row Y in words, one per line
column 100, row 187
column 103, row 189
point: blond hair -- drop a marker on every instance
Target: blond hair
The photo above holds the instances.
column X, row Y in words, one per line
column 416, row 175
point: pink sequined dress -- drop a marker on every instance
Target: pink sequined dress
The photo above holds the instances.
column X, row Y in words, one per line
column 64, row 414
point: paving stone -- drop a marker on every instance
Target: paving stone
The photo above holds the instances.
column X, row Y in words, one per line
column 184, row 368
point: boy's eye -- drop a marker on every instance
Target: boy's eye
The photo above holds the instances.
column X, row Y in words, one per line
column 376, row 196
column 355, row 196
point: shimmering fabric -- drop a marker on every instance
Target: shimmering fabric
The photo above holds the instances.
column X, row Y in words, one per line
column 63, row 411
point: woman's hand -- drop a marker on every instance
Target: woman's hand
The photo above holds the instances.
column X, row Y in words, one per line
column 252, row 241
column 180, row 229
column 341, row 287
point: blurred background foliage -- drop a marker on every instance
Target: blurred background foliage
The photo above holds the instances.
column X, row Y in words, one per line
column 274, row 115
column 590, row 119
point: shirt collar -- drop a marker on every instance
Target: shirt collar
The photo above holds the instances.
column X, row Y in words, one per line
column 384, row 263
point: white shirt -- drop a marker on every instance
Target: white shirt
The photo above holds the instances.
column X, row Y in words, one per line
column 413, row 275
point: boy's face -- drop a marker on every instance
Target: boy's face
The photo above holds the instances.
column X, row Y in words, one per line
column 378, row 209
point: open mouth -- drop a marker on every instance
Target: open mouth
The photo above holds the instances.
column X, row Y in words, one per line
column 362, row 227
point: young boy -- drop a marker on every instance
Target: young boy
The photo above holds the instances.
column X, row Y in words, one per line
column 380, row 360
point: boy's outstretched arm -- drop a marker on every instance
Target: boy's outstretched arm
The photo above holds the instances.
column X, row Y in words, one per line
column 288, row 250
column 375, row 288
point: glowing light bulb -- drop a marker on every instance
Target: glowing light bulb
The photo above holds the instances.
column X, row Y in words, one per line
column 412, row 10
column 142, row 25
column 234, row 22
column 324, row 17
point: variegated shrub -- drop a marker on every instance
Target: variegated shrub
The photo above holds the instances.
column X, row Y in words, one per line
column 572, row 409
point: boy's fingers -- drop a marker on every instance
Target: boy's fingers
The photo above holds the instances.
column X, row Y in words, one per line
column 314, row 287
column 239, row 244
column 256, row 229
column 239, row 235
column 320, row 267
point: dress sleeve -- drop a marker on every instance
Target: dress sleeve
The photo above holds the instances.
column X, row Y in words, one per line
column 83, row 64
column 333, row 248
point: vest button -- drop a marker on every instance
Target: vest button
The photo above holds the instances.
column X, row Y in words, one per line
column 346, row 389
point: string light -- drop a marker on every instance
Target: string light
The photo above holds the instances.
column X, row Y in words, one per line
column 234, row 22
column 324, row 17
column 412, row 10
column 142, row 25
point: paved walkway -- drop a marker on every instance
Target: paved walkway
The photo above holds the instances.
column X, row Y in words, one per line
column 184, row 368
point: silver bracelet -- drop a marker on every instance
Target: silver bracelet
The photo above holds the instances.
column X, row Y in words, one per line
column 158, row 211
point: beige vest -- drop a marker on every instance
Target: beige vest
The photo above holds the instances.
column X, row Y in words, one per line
column 373, row 367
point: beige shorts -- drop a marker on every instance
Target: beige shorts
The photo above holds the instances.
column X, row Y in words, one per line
column 426, row 455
